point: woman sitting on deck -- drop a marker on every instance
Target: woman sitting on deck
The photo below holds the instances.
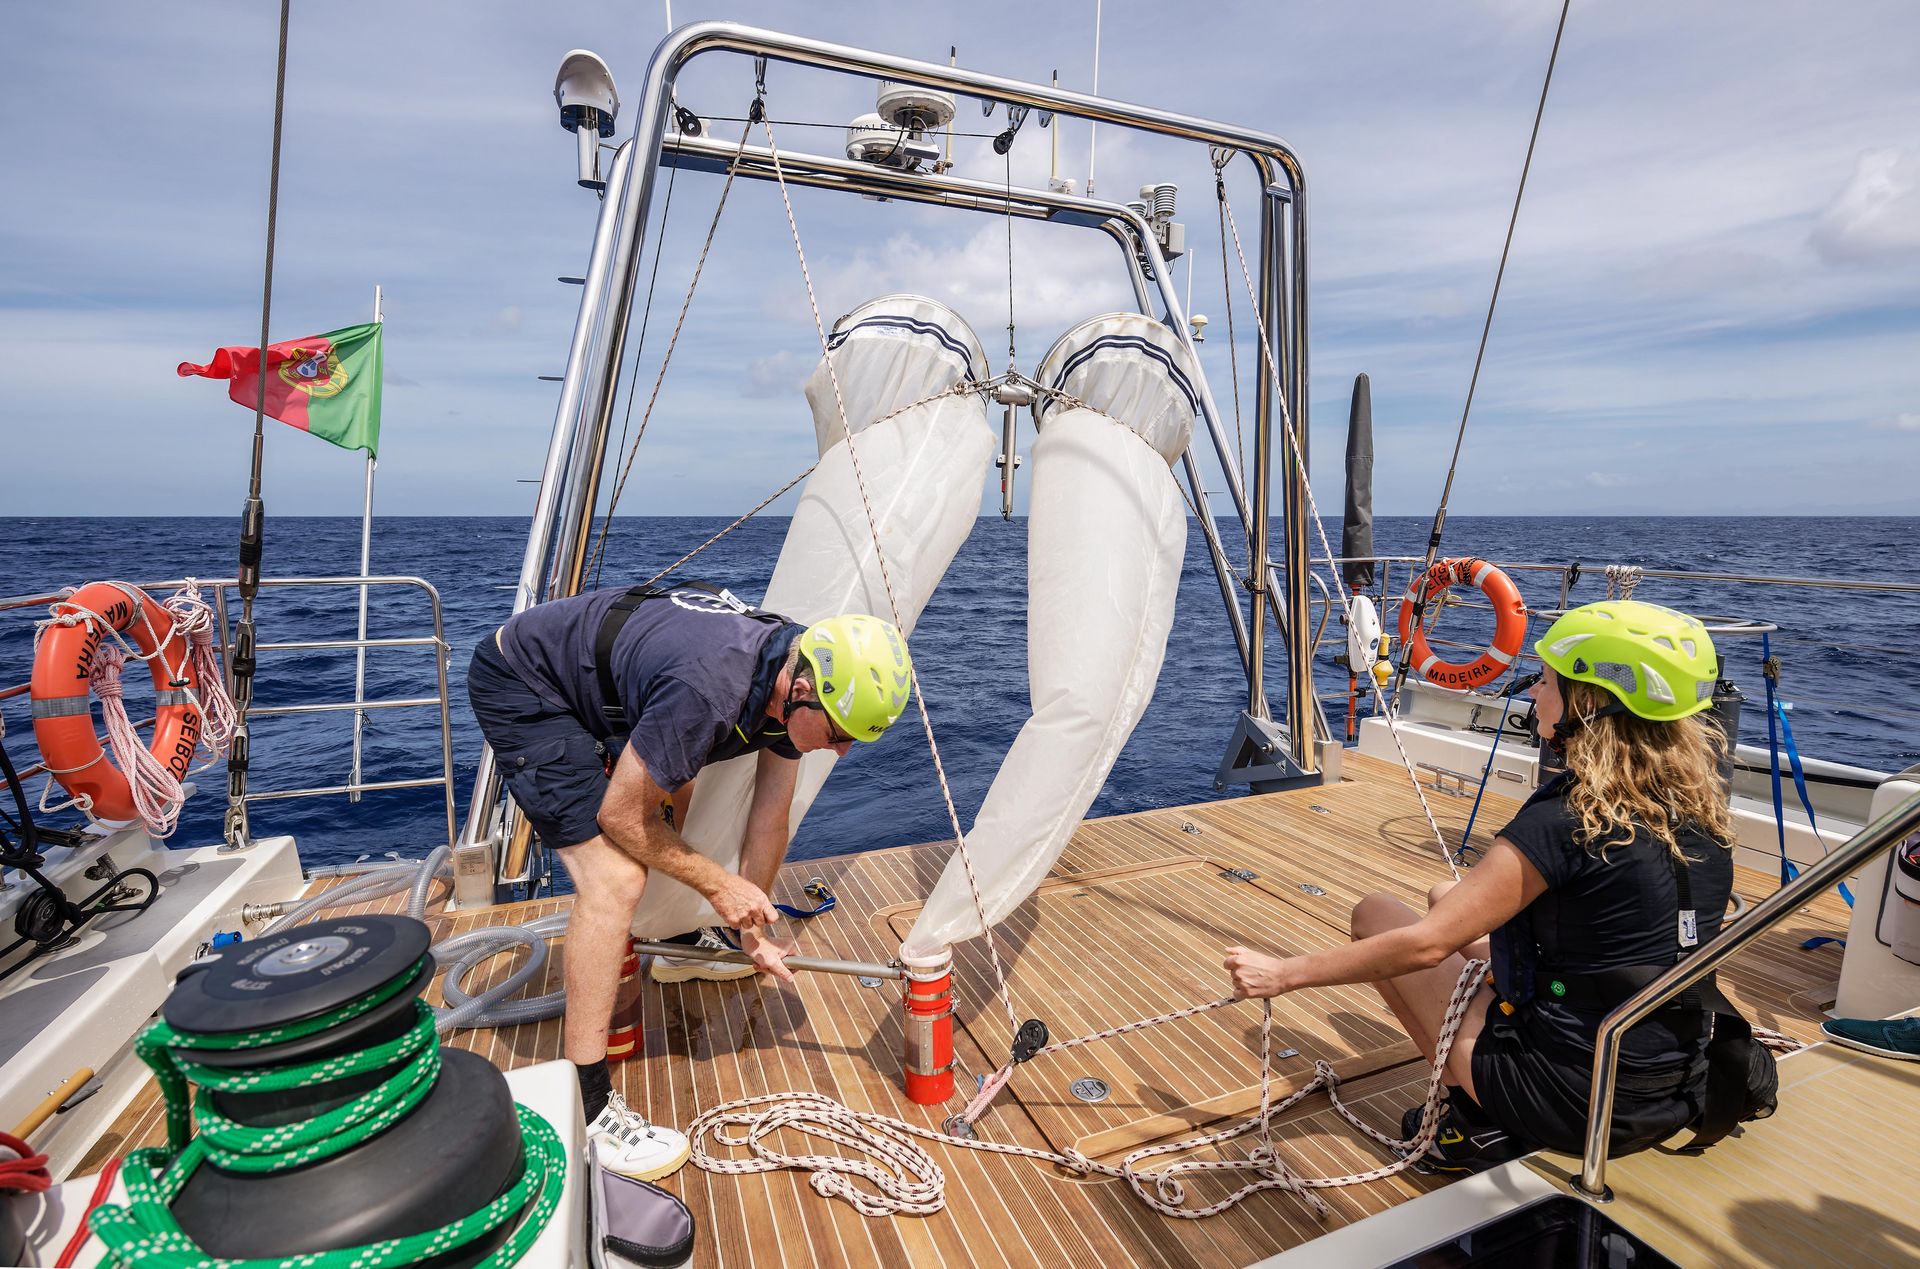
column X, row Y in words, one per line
column 1584, row 883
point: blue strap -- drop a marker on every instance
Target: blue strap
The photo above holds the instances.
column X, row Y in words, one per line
column 1459, row 856
column 1768, row 675
column 823, row 898
column 1800, row 785
column 824, row 901
column 1776, row 722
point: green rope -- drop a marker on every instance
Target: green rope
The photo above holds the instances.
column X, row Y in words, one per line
column 144, row 1233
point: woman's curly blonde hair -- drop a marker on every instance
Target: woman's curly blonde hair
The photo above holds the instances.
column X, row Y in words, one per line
column 1660, row 776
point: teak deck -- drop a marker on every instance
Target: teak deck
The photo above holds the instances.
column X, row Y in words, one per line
column 1132, row 922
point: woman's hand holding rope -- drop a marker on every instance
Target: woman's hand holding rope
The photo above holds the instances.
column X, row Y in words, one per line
column 1256, row 976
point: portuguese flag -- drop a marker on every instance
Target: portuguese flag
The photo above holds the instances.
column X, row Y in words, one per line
column 328, row 384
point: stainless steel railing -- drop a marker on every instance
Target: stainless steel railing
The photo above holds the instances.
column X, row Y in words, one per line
column 1567, row 576
column 1899, row 823
column 436, row 641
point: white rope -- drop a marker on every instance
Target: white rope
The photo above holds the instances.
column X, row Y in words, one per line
column 1326, row 547
column 886, row 578
column 157, row 795
column 1622, row 578
column 903, row 1178
column 193, row 617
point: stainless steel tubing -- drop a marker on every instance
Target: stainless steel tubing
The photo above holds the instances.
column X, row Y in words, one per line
column 1896, row 825
column 570, row 415
column 813, row 964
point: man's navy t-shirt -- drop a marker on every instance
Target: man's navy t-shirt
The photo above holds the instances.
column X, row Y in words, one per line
column 1602, row 913
column 694, row 674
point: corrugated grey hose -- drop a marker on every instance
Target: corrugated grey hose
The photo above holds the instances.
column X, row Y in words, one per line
column 491, row 1008
column 459, row 954
column 375, row 883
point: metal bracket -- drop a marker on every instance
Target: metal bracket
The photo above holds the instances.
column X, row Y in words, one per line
column 1460, row 780
column 1257, row 756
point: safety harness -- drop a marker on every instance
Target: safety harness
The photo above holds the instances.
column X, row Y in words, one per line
column 1742, row 1083
column 613, row 713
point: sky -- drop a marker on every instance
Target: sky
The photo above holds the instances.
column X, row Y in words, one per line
column 1712, row 304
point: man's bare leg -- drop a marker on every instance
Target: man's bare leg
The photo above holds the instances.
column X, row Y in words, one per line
column 607, row 885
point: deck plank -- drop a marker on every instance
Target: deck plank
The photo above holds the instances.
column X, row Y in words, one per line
column 1157, row 908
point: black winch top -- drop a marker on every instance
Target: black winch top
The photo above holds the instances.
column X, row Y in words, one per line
column 296, row 974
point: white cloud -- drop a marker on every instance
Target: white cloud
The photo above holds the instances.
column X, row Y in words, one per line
column 778, row 375
column 1673, row 274
column 1876, row 218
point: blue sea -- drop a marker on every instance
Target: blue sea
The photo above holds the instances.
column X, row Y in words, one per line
column 1848, row 662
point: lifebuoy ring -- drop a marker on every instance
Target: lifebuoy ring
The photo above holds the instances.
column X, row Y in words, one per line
column 1509, row 631
column 62, row 714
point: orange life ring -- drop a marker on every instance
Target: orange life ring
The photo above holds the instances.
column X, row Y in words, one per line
column 62, row 713
column 1509, row 631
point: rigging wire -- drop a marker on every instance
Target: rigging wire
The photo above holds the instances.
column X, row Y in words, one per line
column 673, row 342
column 1013, row 358
column 633, row 380
column 1233, row 350
column 1440, row 513
column 837, row 127
column 253, row 516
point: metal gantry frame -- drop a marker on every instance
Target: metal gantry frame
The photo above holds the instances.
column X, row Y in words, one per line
column 557, row 541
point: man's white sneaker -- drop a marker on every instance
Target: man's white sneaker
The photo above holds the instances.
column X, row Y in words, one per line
column 626, row 1143
column 678, row 969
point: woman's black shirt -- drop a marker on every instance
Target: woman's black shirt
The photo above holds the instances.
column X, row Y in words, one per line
column 1601, row 912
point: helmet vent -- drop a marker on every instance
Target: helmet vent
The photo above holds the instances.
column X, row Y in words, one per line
column 1563, row 646
column 1664, row 642
column 1617, row 673
column 1657, row 687
column 1693, row 649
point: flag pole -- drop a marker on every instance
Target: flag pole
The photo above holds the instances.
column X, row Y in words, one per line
column 360, row 648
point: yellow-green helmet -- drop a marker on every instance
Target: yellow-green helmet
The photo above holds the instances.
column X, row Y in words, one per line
column 1658, row 662
column 861, row 672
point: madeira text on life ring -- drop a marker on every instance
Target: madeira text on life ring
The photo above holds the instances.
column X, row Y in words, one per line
column 62, row 715
column 1509, row 615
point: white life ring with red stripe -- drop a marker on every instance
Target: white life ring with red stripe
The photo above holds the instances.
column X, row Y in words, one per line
column 62, row 696
column 1509, row 630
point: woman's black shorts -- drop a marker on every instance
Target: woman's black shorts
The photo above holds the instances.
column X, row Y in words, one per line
column 1543, row 1101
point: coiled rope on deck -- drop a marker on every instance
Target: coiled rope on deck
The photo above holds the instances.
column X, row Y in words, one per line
column 144, row 1233
column 902, row 1178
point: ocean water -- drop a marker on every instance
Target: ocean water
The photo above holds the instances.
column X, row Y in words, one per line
column 1848, row 663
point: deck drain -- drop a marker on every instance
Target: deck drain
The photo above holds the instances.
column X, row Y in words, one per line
column 1190, row 827
column 1312, row 889
column 1286, row 1053
column 1318, row 809
column 1237, row 874
column 1089, row 1089
column 869, row 982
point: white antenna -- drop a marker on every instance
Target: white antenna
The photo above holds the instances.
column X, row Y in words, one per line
column 1091, row 126
column 953, row 59
column 669, row 15
column 1053, row 172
